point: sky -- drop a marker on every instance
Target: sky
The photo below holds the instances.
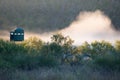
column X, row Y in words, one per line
column 88, row 26
column 81, row 20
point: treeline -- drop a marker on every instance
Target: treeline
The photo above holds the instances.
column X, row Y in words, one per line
column 34, row 53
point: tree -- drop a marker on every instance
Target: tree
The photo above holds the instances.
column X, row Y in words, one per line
column 58, row 39
column 117, row 46
column 85, row 48
column 33, row 43
column 64, row 41
column 102, row 47
column 97, row 48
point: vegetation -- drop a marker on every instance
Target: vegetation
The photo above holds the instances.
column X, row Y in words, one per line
column 34, row 54
column 61, row 73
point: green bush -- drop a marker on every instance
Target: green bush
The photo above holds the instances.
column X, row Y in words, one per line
column 30, row 55
column 48, row 60
column 20, row 56
column 108, row 61
column 14, row 55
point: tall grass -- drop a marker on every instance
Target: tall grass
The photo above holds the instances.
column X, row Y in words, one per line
column 65, row 73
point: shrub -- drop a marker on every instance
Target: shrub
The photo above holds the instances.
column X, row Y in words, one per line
column 108, row 61
column 52, row 50
column 48, row 60
column 14, row 55
column 33, row 44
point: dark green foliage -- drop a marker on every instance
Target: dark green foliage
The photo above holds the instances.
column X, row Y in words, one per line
column 52, row 48
column 50, row 51
column 97, row 48
column 48, row 60
column 29, row 54
column 11, row 53
column 102, row 47
column 10, row 47
column 64, row 41
column 55, row 49
column 101, row 55
column 34, row 53
column 108, row 61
